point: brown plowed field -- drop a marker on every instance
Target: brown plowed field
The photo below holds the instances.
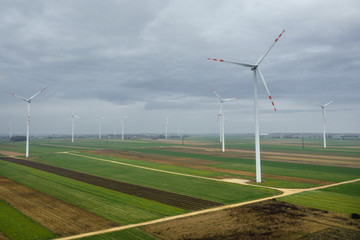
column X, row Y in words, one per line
column 326, row 160
column 57, row 216
column 197, row 164
column 169, row 198
column 264, row 220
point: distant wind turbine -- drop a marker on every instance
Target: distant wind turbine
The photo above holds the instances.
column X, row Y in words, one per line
column 11, row 130
column 73, row 116
column 255, row 69
column 166, row 127
column 28, row 117
column 100, row 118
column 324, row 116
column 122, row 126
column 221, row 116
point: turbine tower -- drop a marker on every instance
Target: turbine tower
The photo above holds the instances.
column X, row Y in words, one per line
column 256, row 71
column 100, row 118
column 73, row 116
column 324, row 117
column 166, row 127
column 221, row 116
column 122, row 126
column 11, row 130
column 28, row 116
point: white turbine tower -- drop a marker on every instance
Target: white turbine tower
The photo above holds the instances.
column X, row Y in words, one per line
column 324, row 117
column 73, row 116
column 100, row 118
column 122, row 126
column 166, row 127
column 28, row 117
column 221, row 116
column 255, row 69
column 11, row 130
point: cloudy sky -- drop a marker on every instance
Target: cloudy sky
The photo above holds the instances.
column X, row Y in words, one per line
column 147, row 59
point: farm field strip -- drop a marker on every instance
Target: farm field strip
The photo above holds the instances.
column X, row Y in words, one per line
column 210, row 169
column 217, row 173
column 141, row 167
column 115, row 206
column 288, row 156
column 215, row 191
column 341, row 198
column 169, row 198
column 57, row 216
column 16, row 226
column 286, row 192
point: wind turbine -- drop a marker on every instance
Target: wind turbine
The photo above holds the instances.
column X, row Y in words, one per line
column 122, row 126
column 28, row 117
column 166, row 127
column 73, row 124
column 221, row 116
column 255, row 69
column 11, row 130
column 324, row 117
column 100, row 118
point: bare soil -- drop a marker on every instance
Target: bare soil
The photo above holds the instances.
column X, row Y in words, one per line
column 197, row 164
column 169, row 198
column 327, row 160
column 264, row 220
column 7, row 153
column 2, row 237
column 57, row 216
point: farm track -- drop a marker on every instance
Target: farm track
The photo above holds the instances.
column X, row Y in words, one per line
column 200, row 164
column 187, row 216
column 169, row 198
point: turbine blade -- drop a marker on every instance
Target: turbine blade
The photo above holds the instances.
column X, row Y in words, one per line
column 11, row 93
column 329, row 102
column 316, row 103
column 266, row 52
column 231, row 99
column 42, row 90
column 237, row 63
column 213, row 90
column 267, row 89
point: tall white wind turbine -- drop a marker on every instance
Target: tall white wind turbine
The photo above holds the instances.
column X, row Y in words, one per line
column 122, row 126
column 324, row 117
column 100, row 118
column 28, row 116
column 256, row 71
column 73, row 116
column 166, row 127
column 11, row 130
column 221, row 116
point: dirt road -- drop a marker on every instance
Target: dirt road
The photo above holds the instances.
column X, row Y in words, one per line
column 285, row 192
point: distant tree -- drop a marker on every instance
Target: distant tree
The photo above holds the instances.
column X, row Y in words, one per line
column 18, row 139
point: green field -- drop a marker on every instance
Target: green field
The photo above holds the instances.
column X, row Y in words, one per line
column 126, row 209
column 115, row 206
column 132, row 233
column 195, row 187
column 14, row 225
column 343, row 198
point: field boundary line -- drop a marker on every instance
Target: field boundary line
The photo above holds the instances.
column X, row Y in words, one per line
column 161, row 220
column 146, row 168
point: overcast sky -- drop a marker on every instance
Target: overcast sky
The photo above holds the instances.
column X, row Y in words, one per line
column 147, row 59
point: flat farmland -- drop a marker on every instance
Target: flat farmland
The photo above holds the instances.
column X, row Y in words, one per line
column 128, row 182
